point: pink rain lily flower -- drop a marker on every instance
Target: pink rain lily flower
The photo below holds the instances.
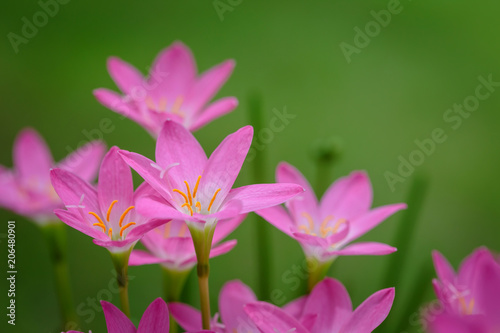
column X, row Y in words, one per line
column 199, row 190
column 154, row 320
column 233, row 296
column 172, row 246
column 328, row 309
column 27, row 190
column 107, row 214
column 324, row 229
column 172, row 91
column 470, row 299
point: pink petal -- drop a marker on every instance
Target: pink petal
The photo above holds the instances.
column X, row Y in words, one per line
column 155, row 318
column 118, row 103
column 225, row 227
column 140, row 257
column 271, row 319
column 444, row 271
column 311, row 240
column 278, row 217
column 371, row 313
column 305, row 202
column 186, row 316
column 232, row 298
column 115, row 246
column 10, row 195
column 32, row 157
column 331, row 303
column 116, row 321
column 260, row 196
column 209, row 84
column 486, row 290
column 141, row 229
column 156, row 208
column 224, row 165
column 76, row 222
column 173, row 71
column 467, row 270
column 213, row 111
column 371, row 219
column 223, row 248
column 126, row 77
column 115, row 183
column 295, row 307
column 365, row 248
column 85, row 161
column 177, row 145
column 348, row 197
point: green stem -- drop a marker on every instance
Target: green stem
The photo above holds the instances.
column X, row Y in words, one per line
column 173, row 284
column 317, row 272
column 259, row 163
column 120, row 261
column 55, row 236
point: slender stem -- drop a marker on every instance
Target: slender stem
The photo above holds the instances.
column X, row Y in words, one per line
column 203, row 272
column 173, row 284
column 259, row 163
column 317, row 272
column 55, row 236
column 120, row 261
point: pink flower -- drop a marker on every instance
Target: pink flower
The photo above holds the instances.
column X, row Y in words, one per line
column 324, row 229
column 470, row 299
column 107, row 214
column 27, row 190
column 199, row 190
column 154, row 320
column 172, row 246
column 172, row 91
column 328, row 309
column 233, row 296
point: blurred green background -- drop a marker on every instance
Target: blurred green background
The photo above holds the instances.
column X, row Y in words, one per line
column 393, row 92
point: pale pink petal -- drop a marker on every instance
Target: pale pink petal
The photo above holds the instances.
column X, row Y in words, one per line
column 467, row 270
column 76, row 222
column 11, row 196
column 141, row 257
column 32, row 157
column 305, row 202
column 444, row 271
column 176, row 145
column 115, row 183
column 209, row 84
column 116, row 102
column 348, row 197
column 371, row 219
column 116, row 321
column 278, row 217
column 225, row 227
column 312, row 240
column 271, row 319
column 232, row 298
column 173, row 71
column 85, row 161
column 155, row 318
column 331, row 303
column 260, row 196
column 224, row 165
column 365, row 248
column 295, row 307
column 371, row 313
column 126, row 77
column 74, row 192
column 155, row 208
column 186, row 316
column 141, row 229
column 213, row 111
column 116, row 245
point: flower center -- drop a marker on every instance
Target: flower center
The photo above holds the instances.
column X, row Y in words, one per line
column 106, row 228
column 324, row 229
column 189, row 198
column 162, row 105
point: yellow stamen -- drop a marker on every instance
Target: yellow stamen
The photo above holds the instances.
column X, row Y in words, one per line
column 189, row 207
column 109, row 209
column 181, row 193
column 177, row 106
column 125, row 227
column 309, row 220
column 182, row 230
column 305, row 229
column 162, row 106
column 213, row 199
column 100, row 225
column 110, row 232
column 338, row 224
column 97, row 217
column 189, row 193
column 198, row 206
column 324, row 229
column 124, row 214
column 196, row 186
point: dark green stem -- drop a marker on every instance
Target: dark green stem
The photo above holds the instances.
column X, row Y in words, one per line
column 259, row 167
column 55, row 236
column 120, row 261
